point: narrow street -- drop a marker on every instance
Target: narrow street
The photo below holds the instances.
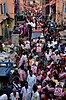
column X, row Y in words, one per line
column 32, row 50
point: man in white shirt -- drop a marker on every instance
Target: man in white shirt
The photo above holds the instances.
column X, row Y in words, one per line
column 31, row 79
column 23, row 59
column 14, row 95
column 48, row 55
column 26, row 92
column 35, row 95
column 4, row 97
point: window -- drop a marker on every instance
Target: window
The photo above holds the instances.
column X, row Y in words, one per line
column 65, row 8
column 1, row 12
column 5, row 8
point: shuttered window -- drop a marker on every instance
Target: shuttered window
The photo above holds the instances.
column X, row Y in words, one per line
column 5, row 8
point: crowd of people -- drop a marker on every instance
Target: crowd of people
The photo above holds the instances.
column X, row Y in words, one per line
column 41, row 72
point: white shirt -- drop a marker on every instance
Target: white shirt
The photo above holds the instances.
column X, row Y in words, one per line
column 4, row 97
column 26, row 93
column 23, row 58
column 57, row 57
column 35, row 96
column 32, row 24
column 12, row 97
column 22, row 46
column 47, row 56
column 31, row 80
column 39, row 77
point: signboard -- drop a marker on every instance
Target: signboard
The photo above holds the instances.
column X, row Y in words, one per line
column 15, row 39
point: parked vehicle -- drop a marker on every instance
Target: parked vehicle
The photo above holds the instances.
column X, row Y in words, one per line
column 5, row 68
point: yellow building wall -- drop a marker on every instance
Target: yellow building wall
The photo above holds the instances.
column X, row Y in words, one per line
column 2, row 27
column 0, row 30
column 11, row 25
column 3, row 24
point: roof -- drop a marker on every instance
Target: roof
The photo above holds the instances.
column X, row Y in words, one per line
column 3, row 17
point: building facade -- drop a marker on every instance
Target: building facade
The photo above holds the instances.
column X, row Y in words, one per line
column 57, row 8
column 6, row 16
column 61, row 11
column 3, row 17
